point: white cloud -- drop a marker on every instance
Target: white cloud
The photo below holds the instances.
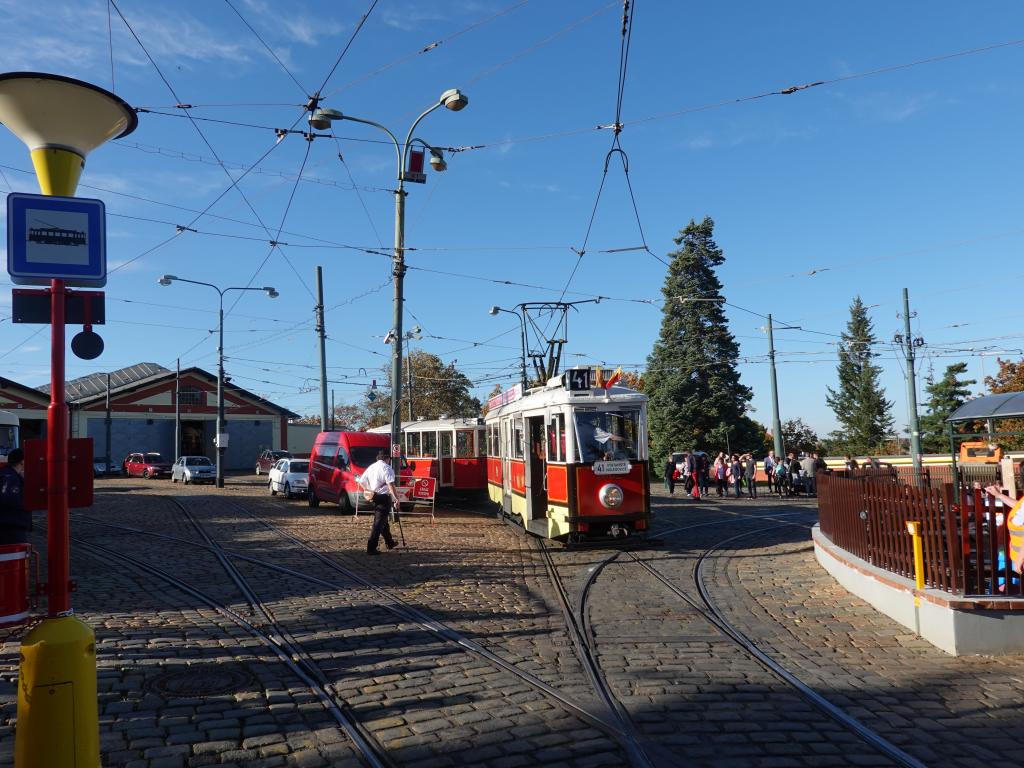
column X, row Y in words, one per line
column 297, row 26
column 703, row 141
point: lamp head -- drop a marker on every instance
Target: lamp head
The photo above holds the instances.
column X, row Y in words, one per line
column 61, row 120
column 271, row 292
column 454, row 99
column 437, row 161
column 167, row 279
column 57, row 112
column 321, row 118
column 493, row 310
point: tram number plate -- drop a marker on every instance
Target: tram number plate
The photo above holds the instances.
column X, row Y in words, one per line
column 621, row 467
column 577, row 379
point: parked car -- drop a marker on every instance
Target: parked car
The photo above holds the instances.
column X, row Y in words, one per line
column 146, row 465
column 339, row 460
column 193, row 469
column 290, row 477
column 268, row 459
column 100, row 467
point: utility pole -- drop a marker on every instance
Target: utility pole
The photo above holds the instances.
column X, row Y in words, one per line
column 332, row 410
column 321, row 333
column 908, row 342
column 177, row 410
column 106, row 423
column 776, row 423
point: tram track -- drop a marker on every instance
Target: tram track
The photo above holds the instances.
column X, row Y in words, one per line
column 710, row 610
column 308, row 670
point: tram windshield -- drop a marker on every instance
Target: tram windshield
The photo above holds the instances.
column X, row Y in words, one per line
column 8, row 438
column 607, row 435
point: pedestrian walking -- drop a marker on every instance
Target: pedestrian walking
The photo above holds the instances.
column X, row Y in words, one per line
column 719, row 471
column 15, row 520
column 795, row 480
column 750, row 473
column 781, row 477
column 670, row 476
column 736, row 470
column 378, row 483
column 693, row 471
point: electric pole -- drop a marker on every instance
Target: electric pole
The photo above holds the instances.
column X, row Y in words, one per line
column 321, row 333
column 908, row 343
column 776, row 423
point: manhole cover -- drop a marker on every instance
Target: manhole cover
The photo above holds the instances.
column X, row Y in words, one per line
column 198, row 681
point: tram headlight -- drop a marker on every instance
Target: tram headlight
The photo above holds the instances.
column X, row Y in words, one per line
column 610, row 496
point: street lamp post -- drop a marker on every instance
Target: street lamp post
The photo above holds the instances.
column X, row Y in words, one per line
column 221, row 447
column 522, row 324
column 321, row 119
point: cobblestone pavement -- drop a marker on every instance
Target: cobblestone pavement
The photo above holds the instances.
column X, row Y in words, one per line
column 433, row 703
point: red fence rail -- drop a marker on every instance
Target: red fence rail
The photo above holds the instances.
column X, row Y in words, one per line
column 965, row 545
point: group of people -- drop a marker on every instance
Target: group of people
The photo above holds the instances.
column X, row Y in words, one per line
column 788, row 476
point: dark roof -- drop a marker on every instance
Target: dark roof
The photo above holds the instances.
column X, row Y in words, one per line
column 24, row 389
column 1005, row 406
column 96, row 383
column 88, row 389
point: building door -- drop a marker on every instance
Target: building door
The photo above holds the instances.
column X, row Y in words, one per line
column 192, row 439
column 505, row 451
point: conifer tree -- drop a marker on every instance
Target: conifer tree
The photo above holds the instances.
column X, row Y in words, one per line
column 691, row 377
column 865, row 416
column 944, row 396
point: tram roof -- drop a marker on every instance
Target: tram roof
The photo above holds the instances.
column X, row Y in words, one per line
column 556, row 394
column 433, row 425
column 1008, row 405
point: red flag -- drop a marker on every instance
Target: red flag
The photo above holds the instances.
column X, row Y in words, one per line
column 614, row 378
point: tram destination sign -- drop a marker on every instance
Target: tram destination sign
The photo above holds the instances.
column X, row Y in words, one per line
column 56, row 238
column 618, row 467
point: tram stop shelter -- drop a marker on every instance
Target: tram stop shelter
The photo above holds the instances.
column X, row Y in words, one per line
column 987, row 409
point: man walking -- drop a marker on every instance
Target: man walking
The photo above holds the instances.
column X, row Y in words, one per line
column 750, row 472
column 807, row 470
column 379, row 480
column 670, row 476
column 693, row 470
column 15, row 520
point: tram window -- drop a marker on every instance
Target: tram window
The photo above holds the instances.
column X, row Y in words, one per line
column 503, row 449
column 481, row 442
column 429, row 444
column 464, row 444
column 517, row 439
column 607, row 435
column 492, row 439
column 412, row 444
column 556, row 438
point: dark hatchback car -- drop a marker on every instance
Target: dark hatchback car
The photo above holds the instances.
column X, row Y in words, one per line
column 268, row 459
column 146, row 465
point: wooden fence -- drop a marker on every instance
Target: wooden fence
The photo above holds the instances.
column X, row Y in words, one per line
column 965, row 544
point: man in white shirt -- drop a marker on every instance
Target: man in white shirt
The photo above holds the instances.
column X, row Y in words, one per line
column 379, row 478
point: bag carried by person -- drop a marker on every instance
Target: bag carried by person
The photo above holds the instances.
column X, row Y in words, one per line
column 367, row 494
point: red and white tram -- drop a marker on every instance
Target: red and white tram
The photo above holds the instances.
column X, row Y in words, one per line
column 452, row 451
column 568, row 460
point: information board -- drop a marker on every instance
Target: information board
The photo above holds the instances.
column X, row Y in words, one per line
column 62, row 238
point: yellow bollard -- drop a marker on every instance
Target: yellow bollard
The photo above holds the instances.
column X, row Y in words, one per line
column 57, row 708
column 914, row 529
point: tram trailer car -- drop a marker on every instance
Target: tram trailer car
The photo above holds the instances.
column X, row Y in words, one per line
column 568, row 461
column 9, row 434
column 452, row 451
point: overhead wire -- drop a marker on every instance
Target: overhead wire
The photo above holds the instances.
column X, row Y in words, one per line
column 269, row 49
column 348, row 45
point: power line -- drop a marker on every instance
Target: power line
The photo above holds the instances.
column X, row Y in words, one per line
column 269, row 49
column 348, row 45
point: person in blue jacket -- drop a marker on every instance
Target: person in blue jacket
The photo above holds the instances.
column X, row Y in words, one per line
column 15, row 520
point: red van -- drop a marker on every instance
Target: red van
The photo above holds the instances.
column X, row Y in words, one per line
column 338, row 460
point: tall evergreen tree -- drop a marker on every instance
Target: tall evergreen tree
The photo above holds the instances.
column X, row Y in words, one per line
column 944, row 396
column 865, row 416
column 691, row 377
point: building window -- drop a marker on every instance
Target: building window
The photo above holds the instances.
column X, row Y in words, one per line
column 190, row 396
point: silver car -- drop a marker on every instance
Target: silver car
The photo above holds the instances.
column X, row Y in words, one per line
column 193, row 469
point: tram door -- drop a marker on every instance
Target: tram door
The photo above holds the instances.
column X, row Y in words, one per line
column 506, row 466
column 536, row 470
column 445, row 455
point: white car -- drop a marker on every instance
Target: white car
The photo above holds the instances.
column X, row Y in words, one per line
column 290, row 477
column 193, row 469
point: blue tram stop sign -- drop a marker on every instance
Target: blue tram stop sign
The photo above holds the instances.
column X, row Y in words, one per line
column 62, row 238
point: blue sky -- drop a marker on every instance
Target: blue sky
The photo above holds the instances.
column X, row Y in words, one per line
column 901, row 178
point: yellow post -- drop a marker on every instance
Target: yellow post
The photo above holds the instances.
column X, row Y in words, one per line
column 58, row 714
column 914, row 529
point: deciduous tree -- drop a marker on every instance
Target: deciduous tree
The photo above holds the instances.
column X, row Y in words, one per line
column 438, row 390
